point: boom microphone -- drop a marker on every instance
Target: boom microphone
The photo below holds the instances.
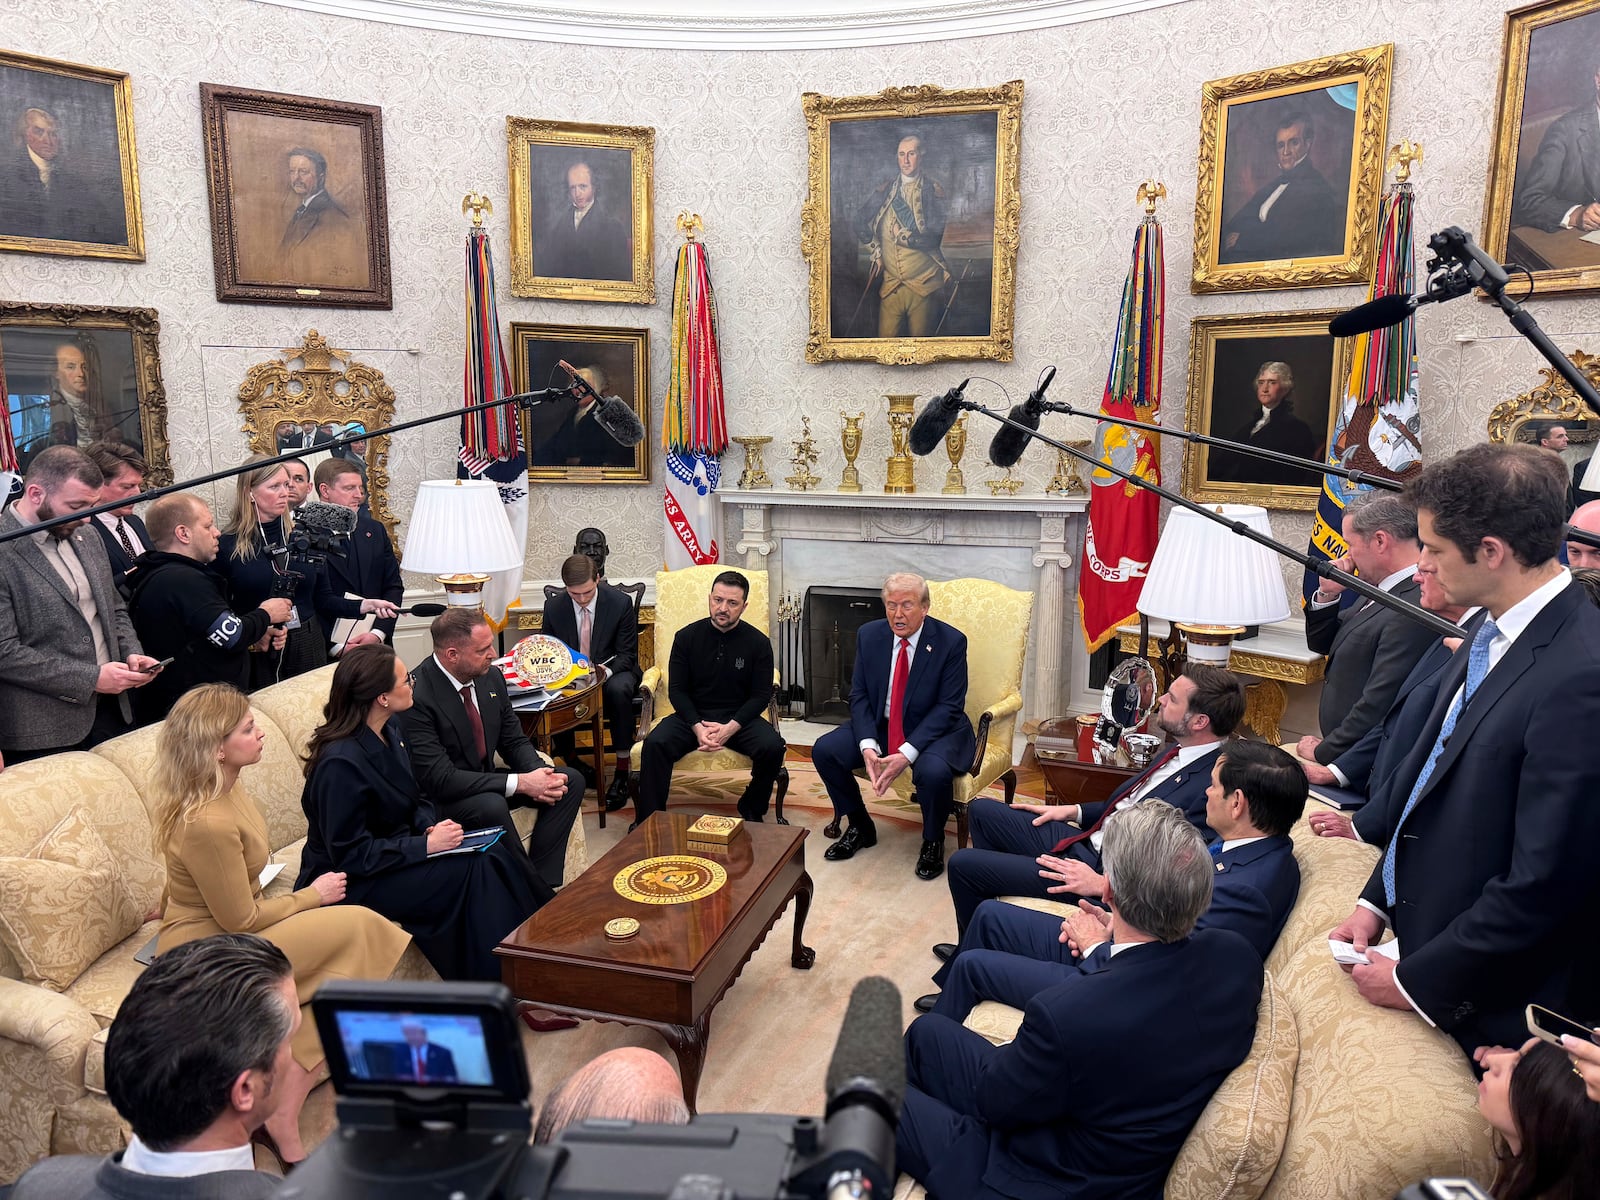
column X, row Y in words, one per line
column 1375, row 314
column 866, row 1084
column 1009, row 442
column 611, row 413
column 937, row 419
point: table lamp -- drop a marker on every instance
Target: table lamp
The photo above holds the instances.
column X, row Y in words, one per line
column 1211, row 583
column 459, row 534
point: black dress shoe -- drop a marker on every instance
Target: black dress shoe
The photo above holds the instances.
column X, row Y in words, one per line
column 585, row 770
column 617, row 793
column 831, row 829
column 944, row 951
column 857, row 837
column 930, row 863
column 925, row 1003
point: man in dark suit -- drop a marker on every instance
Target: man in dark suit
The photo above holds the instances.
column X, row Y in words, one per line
column 1296, row 214
column 459, row 720
column 908, row 701
column 369, row 568
column 1275, row 427
column 599, row 622
column 417, row 1058
column 1014, row 846
column 1560, row 188
column 1110, row 1068
column 584, row 241
column 1371, row 648
column 1487, row 878
column 43, row 195
column 190, row 1064
column 1257, row 793
column 124, row 535
column 316, row 215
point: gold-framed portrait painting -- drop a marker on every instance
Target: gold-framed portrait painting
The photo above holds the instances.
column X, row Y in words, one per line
column 564, row 441
column 70, row 184
column 1542, row 210
column 299, row 207
column 74, row 374
column 581, row 220
column 1291, row 171
column 1269, row 380
column 910, row 223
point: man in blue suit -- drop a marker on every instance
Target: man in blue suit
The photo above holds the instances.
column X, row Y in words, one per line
column 1032, row 850
column 1058, row 1114
column 1257, row 793
column 369, row 568
column 1487, row 877
column 907, row 713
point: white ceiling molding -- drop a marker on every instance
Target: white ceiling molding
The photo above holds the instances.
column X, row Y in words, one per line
column 729, row 24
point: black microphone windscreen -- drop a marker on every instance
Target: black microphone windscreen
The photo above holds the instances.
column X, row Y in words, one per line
column 938, row 418
column 1009, row 442
column 426, row 610
column 333, row 519
column 869, row 1046
column 619, row 420
column 1374, row 314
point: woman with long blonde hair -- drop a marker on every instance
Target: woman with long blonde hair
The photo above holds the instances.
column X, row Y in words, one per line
column 214, row 839
column 254, row 558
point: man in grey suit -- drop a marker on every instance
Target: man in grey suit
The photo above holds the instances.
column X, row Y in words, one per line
column 67, row 647
column 191, row 1064
column 1370, row 648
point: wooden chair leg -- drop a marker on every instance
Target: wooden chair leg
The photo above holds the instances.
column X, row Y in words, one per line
column 1009, row 782
column 961, row 825
column 783, row 790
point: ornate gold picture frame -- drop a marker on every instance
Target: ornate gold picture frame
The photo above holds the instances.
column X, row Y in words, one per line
column 327, row 393
column 67, row 365
column 915, row 273
column 72, row 183
column 1229, row 359
column 299, row 207
column 1542, row 209
column 581, row 221
column 1291, row 170
column 565, row 444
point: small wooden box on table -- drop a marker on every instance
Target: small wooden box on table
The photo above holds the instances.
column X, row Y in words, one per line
column 685, row 957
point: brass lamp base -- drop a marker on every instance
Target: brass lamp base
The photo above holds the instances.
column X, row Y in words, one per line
column 463, row 590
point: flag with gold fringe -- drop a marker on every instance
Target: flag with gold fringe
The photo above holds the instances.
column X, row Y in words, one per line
column 1120, row 533
column 491, row 445
column 694, row 426
column 1378, row 427
column 10, row 469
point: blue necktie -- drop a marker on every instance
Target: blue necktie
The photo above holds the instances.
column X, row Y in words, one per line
column 1477, row 668
column 1216, row 848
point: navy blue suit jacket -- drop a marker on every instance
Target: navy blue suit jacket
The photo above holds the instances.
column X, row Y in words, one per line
column 935, row 716
column 369, row 569
column 1172, row 1020
column 1253, row 890
column 1497, row 897
column 121, row 564
column 1185, row 790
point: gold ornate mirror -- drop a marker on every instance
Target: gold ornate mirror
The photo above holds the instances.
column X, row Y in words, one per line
column 312, row 395
column 1524, row 417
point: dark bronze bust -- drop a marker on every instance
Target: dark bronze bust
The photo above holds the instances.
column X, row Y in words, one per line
column 591, row 543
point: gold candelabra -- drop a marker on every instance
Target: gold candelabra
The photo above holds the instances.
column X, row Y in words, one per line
column 1007, row 483
column 1066, row 481
column 805, row 453
column 850, row 436
column 901, row 480
column 755, row 474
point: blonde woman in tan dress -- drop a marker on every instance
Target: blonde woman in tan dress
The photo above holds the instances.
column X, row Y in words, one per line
column 215, row 841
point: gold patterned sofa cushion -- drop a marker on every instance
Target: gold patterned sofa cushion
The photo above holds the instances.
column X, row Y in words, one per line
column 1332, row 873
column 64, row 904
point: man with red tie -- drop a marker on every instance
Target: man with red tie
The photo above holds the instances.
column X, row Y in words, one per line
column 422, row 1061
column 1029, row 849
column 908, row 702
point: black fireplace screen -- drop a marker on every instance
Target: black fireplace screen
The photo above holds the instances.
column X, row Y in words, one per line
column 831, row 617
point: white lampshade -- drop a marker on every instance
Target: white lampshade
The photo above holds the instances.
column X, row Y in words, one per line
column 1203, row 574
column 459, row 528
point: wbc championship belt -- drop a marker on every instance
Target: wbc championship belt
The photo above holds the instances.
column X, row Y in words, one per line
column 547, row 662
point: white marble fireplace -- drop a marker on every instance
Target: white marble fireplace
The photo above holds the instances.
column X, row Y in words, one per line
column 855, row 539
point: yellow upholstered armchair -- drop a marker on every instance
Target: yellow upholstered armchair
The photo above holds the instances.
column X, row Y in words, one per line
column 996, row 620
column 681, row 599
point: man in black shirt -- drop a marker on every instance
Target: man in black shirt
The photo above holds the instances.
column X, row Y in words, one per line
column 179, row 608
column 719, row 682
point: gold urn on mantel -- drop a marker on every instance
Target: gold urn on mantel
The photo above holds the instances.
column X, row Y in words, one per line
column 901, row 479
column 850, row 437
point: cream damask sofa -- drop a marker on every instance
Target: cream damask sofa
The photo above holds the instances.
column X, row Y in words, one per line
column 1337, row 1098
column 80, row 888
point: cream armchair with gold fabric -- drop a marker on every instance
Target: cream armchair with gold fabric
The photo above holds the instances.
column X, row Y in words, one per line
column 682, row 599
column 996, row 620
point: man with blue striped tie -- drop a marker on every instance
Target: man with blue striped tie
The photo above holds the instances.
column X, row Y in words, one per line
column 1487, row 880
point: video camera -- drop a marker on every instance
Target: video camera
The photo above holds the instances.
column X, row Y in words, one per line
column 433, row 1100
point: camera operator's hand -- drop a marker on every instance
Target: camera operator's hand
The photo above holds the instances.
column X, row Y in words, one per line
column 115, row 678
column 279, row 608
column 446, row 835
column 329, row 887
column 379, row 608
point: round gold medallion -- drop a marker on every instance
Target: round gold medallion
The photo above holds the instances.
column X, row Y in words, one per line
column 620, row 929
column 670, row 879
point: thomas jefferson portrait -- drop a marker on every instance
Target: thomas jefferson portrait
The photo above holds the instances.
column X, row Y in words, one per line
column 62, row 173
column 582, row 212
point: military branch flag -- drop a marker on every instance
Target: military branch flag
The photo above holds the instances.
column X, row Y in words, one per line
column 1378, row 428
column 1120, row 534
column 694, row 427
column 491, row 447
column 10, row 471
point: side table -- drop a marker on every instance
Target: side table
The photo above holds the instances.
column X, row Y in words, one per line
column 573, row 708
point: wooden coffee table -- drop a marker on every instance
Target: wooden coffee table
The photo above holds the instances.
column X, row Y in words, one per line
column 685, row 956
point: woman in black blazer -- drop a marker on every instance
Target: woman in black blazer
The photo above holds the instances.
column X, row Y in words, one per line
column 367, row 818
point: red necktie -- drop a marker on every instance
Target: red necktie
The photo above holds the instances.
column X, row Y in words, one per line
column 422, row 1073
column 897, row 697
column 476, row 721
column 1111, row 805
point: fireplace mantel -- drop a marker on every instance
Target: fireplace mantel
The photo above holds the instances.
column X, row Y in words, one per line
column 1028, row 542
